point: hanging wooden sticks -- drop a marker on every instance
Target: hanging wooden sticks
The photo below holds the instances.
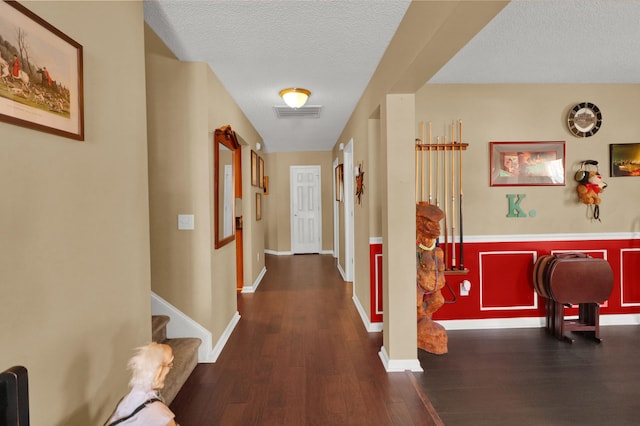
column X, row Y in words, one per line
column 461, row 256
column 430, row 186
column 443, row 179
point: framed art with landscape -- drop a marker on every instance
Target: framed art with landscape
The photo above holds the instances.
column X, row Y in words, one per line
column 41, row 85
column 527, row 163
column 625, row 159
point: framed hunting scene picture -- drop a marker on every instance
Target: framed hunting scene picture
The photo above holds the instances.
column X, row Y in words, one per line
column 40, row 74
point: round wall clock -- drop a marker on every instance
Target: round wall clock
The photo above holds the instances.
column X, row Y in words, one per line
column 584, row 120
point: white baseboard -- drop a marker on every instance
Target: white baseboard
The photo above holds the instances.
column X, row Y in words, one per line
column 552, row 237
column 222, row 341
column 181, row 325
column 398, row 365
column 620, row 319
column 252, row 288
column 491, row 323
column 342, row 273
column 529, row 322
column 368, row 325
column 278, row 253
column 290, row 253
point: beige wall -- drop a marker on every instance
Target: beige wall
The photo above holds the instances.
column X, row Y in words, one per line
column 375, row 182
column 254, row 232
column 398, row 228
column 429, row 35
column 179, row 174
column 186, row 104
column 537, row 113
column 74, row 228
column 422, row 44
column 277, row 205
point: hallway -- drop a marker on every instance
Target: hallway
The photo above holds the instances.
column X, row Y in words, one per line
column 300, row 355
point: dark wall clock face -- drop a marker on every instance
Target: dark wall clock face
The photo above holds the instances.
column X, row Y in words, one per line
column 584, row 120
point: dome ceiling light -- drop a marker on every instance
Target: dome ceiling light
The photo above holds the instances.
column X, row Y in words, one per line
column 295, row 97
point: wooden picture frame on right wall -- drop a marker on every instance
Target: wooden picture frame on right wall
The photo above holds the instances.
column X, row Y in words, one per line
column 624, row 159
column 258, row 206
column 42, row 74
column 260, row 172
column 254, row 168
column 527, row 163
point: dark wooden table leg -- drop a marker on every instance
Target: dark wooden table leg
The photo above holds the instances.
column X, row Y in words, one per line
column 550, row 316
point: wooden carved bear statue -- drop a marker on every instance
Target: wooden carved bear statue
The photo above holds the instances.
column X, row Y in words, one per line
column 432, row 337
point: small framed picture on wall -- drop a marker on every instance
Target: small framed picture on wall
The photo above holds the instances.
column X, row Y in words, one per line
column 261, row 173
column 527, row 163
column 254, row 168
column 625, row 159
column 258, row 206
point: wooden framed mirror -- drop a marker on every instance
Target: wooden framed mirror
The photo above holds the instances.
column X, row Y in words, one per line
column 225, row 145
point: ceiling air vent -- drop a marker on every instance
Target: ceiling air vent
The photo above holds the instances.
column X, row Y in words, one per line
column 302, row 112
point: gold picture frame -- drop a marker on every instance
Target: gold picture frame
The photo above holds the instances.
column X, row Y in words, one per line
column 254, row 168
column 261, row 172
column 258, row 206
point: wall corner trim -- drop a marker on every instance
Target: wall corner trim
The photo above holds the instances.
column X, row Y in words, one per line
column 182, row 325
column 371, row 327
column 398, row 365
column 252, row 288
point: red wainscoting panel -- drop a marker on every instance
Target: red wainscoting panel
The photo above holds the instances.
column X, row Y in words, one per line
column 630, row 276
column 501, row 277
column 504, row 283
column 375, row 280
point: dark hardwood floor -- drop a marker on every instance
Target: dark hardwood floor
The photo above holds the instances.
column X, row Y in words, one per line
column 300, row 356
column 527, row 377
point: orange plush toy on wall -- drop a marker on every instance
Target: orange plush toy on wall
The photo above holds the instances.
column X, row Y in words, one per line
column 590, row 186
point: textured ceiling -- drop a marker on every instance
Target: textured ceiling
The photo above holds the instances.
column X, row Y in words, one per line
column 553, row 41
column 332, row 47
column 257, row 48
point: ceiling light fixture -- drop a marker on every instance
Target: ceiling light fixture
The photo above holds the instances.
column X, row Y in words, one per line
column 295, row 97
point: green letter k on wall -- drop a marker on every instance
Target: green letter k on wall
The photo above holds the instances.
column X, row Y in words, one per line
column 514, row 205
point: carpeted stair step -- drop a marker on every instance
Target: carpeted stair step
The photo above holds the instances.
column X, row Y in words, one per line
column 159, row 328
column 185, row 359
column 185, row 356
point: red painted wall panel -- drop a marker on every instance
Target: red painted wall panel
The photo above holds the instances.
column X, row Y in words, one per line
column 375, row 282
column 505, row 280
column 501, row 277
column 630, row 277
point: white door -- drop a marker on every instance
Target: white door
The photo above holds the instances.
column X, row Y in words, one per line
column 306, row 219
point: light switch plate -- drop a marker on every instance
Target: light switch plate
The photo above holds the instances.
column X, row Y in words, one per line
column 185, row 222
